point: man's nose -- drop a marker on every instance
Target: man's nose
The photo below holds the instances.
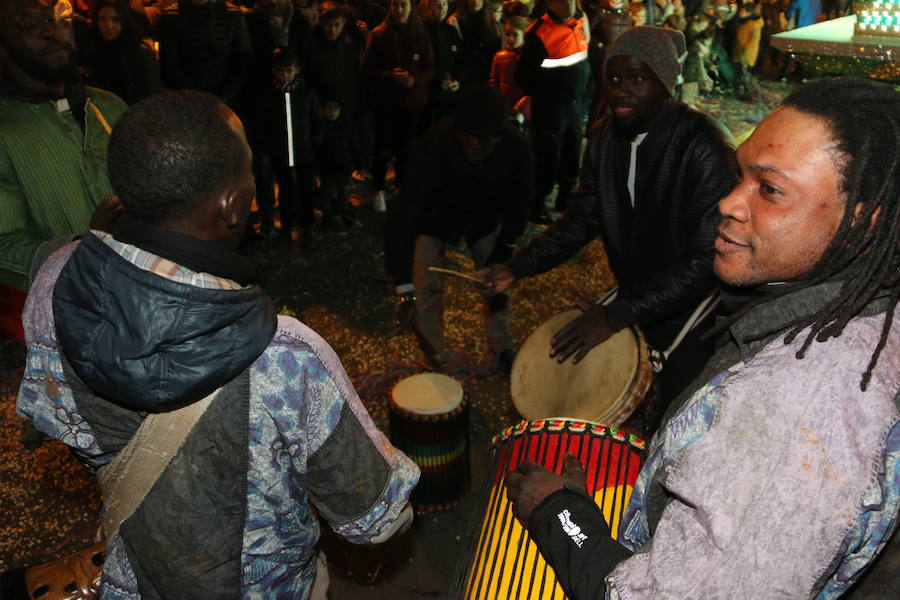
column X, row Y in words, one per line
column 734, row 205
column 51, row 29
column 620, row 89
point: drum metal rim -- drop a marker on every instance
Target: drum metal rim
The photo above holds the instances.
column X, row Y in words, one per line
column 640, row 381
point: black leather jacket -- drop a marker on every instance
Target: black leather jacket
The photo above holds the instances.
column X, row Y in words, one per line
column 661, row 250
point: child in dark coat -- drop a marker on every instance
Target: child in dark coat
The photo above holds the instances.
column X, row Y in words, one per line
column 337, row 157
column 290, row 125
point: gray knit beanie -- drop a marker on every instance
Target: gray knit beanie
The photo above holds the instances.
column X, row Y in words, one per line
column 659, row 48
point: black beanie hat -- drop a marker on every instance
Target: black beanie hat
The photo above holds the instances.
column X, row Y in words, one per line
column 481, row 110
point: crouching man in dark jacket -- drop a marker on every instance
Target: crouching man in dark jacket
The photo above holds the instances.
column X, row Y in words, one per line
column 469, row 179
column 163, row 315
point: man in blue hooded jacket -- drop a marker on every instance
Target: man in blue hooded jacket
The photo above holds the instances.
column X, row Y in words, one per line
column 163, row 314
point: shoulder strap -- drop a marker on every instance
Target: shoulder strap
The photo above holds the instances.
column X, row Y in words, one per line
column 127, row 479
column 99, row 116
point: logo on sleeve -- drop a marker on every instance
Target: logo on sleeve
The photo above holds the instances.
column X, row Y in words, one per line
column 571, row 529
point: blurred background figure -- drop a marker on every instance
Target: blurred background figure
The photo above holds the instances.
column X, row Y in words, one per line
column 287, row 147
column 399, row 65
column 203, row 45
column 118, row 58
column 448, row 58
column 503, row 69
column 336, row 158
column 335, row 71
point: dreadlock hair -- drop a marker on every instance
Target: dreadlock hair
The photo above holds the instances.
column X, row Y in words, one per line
column 864, row 118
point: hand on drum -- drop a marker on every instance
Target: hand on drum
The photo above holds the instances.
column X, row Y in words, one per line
column 529, row 483
column 495, row 279
column 578, row 337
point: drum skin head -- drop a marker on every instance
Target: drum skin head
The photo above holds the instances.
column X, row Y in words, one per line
column 428, row 393
column 604, row 387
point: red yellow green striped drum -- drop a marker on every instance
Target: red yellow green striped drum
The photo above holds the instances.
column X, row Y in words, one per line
column 502, row 561
column 429, row 421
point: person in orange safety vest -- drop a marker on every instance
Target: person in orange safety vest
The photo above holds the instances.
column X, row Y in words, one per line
column 554, row 71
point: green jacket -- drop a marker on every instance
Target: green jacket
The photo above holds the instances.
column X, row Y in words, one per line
column 52, row 176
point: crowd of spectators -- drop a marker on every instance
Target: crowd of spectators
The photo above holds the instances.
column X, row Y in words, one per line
column 366, row 78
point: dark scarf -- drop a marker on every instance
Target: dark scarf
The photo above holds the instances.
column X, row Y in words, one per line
column 203, row 256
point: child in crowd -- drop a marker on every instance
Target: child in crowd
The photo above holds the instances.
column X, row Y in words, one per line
column 676, row 17
column 288, row 152
column 638, row 13
column 336, row 157
column 503, row 69
column 336, row 70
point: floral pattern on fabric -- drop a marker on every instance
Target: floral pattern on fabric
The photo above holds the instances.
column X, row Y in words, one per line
column 296, row 404
column 46, row 399
column 117, row 581
column 872, row 530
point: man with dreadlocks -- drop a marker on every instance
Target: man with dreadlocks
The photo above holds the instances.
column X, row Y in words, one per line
column 777, row 472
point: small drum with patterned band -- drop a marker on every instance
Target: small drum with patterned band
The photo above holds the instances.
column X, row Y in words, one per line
column 429, row 421
column 606, row 386
column 501, row 561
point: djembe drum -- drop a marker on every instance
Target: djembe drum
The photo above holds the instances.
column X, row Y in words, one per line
column 429, row 421
column 501, row 561
column 612, row 380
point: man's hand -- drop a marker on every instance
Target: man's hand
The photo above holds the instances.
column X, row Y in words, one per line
column 529, row 484
column 106, row 214
column 578, row 337
column 495, row 278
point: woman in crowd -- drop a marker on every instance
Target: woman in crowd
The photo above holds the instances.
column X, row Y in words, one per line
column 480, row 24
column 117, row 58
column 399, row 65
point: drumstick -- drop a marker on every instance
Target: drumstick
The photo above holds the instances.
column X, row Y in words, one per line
column 457, row 273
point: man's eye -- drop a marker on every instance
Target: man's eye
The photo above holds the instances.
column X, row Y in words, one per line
column 768, row 189
column 637, row 79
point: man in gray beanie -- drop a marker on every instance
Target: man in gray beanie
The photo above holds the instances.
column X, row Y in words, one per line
column 652, row 175
column 659, row 48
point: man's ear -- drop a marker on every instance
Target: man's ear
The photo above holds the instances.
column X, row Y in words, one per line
column 229, row 204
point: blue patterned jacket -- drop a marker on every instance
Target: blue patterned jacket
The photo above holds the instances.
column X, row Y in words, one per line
column 287, row 438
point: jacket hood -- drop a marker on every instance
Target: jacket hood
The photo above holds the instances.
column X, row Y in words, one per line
column 149, row 343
